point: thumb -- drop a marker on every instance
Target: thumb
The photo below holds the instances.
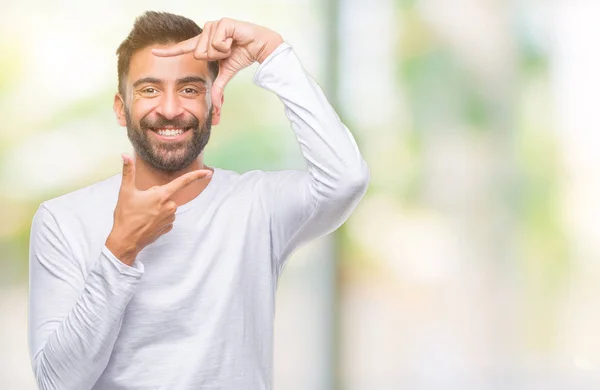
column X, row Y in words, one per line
column 128, row 178
column 219, row 84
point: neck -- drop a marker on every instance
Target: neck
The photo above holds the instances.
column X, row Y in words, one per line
column 147, row 176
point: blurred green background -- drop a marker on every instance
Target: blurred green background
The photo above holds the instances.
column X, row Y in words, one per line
column 473, row 260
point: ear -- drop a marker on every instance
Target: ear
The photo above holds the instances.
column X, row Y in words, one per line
column 119, row 108
column 216, row 118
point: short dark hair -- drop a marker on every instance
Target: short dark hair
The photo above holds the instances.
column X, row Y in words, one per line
column 156, row 28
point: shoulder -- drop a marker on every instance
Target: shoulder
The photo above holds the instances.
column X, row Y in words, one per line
column 93, row 198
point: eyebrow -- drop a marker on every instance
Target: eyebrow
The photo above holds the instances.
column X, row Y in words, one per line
column 184, row 80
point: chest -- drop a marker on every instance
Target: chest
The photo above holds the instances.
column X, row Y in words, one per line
column 209, row 268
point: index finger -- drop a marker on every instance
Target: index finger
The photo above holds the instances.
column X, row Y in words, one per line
column 185, row 180
column 180, row 48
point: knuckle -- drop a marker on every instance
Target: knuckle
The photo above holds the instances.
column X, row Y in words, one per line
column 199, row 52
column 163, row 196
column 171, row 206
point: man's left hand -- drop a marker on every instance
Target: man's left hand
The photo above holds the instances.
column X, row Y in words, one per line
column 235, row 44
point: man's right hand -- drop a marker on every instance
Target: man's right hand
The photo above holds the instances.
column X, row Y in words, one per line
column 140, row 217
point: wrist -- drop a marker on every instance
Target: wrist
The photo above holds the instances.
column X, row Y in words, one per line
column 269, row 47
column 121, row 248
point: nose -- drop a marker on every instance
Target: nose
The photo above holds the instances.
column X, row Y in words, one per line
column 169, row 106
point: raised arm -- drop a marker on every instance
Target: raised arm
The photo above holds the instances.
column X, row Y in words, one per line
column 303, row 205
column 309, row 204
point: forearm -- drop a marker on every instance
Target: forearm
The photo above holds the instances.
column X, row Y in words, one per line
column 76, row 351
column 329, row 149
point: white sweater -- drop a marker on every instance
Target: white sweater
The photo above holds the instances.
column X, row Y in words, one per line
column 196, row 309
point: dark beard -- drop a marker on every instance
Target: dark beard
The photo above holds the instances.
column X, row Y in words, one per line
column 168, row 156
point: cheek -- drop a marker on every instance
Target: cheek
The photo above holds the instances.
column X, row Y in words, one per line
column 196, row 107
column 140, row 109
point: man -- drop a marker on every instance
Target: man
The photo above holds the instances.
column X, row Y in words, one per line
column 164, row 276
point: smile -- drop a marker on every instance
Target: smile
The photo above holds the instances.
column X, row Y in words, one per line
column 170, row 133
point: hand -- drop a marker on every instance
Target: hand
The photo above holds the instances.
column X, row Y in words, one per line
column 235, row 44
column 140, row 217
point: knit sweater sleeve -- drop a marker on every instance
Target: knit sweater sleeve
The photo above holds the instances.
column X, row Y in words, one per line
column 307, row 204
column 74, row 319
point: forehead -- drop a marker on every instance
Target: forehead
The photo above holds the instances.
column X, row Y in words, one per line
column 145, row 64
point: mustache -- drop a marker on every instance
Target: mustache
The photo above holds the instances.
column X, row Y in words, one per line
column 182, row 123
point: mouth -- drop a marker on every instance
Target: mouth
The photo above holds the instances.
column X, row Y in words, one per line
column 170, row 133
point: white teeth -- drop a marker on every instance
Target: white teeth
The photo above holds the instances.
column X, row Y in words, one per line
column 170, row 133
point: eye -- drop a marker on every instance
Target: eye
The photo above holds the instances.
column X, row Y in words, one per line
column 149, row 90
column 189, row 90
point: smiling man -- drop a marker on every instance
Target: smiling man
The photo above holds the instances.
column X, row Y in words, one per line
column 164, row 276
